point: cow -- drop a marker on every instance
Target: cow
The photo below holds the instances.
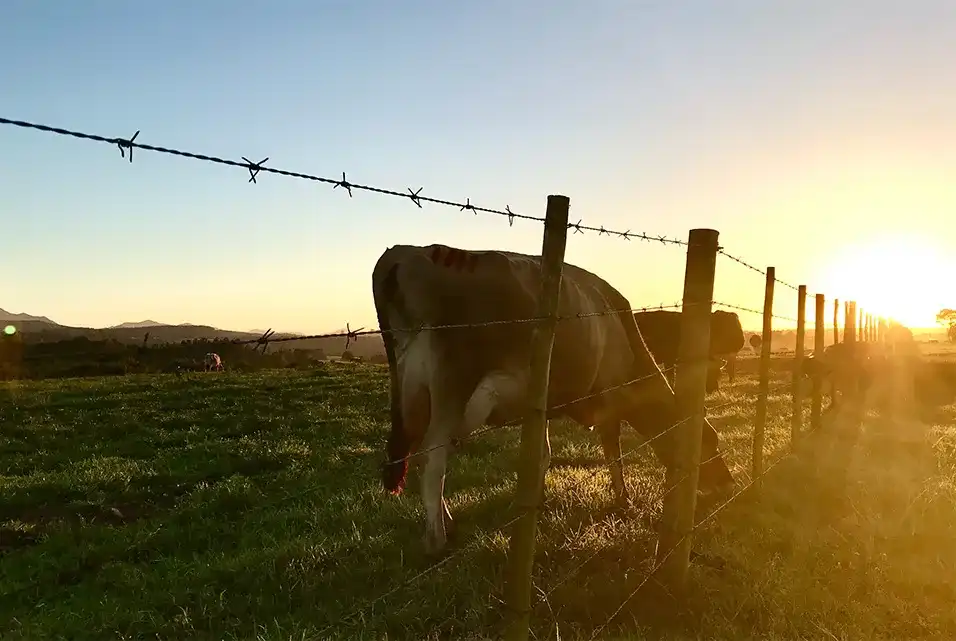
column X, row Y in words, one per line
column 446, row 383
column 661, row 332
column 847, row 367
column 212, row 362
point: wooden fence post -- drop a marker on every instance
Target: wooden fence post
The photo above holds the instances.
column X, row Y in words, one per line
column 535, row 449
column 819, row 331
column 836, row 321
column 796, row 393
column 846, row 315
column 859, row 326
column 690, row 384
column 849, row 327
column 760, row 421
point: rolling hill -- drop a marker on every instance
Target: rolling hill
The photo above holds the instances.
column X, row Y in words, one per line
column 40, row 329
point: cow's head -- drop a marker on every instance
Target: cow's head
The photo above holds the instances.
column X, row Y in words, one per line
column 714, row 367
column 652, row 410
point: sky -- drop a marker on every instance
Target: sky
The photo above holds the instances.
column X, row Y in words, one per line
column 817, row 137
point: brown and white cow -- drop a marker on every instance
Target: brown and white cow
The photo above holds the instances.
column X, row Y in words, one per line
column 212, row 362
column 446, row 383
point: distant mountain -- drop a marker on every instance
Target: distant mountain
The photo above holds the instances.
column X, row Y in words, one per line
column 40, row 329
column 145, row 323
column 10, row 317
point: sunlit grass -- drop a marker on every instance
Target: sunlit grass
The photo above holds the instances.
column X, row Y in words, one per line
column 249, row 507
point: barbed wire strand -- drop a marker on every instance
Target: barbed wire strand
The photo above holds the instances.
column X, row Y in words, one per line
column 762, row 272
column 256, row 168
column 752, row 311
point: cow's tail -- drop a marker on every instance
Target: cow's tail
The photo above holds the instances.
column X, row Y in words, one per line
column 395, row 468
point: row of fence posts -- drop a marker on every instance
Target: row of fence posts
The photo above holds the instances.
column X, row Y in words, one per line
column 679, row 505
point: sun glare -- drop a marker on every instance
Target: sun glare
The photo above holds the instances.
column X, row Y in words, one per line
column 907, row 279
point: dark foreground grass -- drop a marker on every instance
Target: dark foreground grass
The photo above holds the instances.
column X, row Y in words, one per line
column 228, row 506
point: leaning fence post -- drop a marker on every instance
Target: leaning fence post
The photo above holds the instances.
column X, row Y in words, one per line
column 690, row 384
column 796, row 416
column 760, row 421
column 836, row 321
column 534, row 451
column 819, row 333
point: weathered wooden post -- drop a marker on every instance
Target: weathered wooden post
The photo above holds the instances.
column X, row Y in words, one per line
column 849, row 328
column 796, row 393
column 535, row 450
column 846, row 312
column 693, row 360
column 760, row 420
column 816, row 405
column 836, row 321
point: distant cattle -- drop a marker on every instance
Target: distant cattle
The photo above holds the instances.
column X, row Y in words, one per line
column 755, row 341
column 446, row 383
column 212, row 362
column 661, row 332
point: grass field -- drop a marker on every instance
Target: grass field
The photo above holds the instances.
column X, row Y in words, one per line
column 248, row 506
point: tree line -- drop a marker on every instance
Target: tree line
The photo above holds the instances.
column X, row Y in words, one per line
column 81, row 356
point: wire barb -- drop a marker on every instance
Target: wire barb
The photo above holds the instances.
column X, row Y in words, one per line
column 254, row 168
column 344, row 184
column 351, row 336
column 511, row 215
column 126, row 143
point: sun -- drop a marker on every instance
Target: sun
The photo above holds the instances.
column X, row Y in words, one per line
column 908, row 279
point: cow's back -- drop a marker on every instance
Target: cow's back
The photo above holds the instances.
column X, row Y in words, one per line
column 437, row 285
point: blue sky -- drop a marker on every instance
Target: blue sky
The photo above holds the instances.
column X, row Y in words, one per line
column 815, row 136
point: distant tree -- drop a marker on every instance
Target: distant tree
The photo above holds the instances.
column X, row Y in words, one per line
column 947, row 318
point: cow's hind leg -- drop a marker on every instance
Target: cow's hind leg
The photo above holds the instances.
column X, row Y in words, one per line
column 610, row 432
column 443, row 424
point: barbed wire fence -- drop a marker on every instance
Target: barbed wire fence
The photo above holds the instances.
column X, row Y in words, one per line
column 690, row 372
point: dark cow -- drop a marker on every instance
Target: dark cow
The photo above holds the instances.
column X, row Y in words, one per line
column 446, row 383
column 661, row 332
column 849, row 369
